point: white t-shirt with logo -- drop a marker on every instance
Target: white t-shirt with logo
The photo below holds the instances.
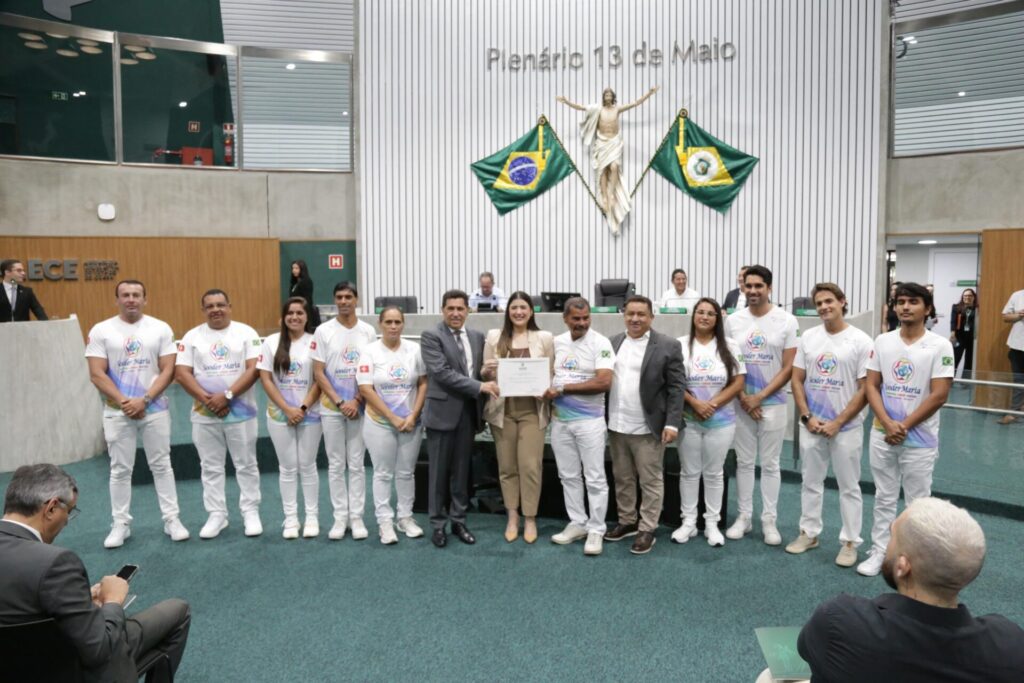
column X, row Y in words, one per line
column 132, row 351
column 217, row 359
column 1015, row 304
column 394, row 375
column 907, row 373
column 762, row 341
column 706, row 376
column 296, row 381
column 576, row 362
column 338, row 348
column 832, row 364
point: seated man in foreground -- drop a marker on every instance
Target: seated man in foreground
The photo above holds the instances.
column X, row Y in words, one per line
column 922, row 632
column 40, row 581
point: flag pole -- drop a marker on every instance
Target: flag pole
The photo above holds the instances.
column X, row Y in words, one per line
column 543, row 121
column 682, row 114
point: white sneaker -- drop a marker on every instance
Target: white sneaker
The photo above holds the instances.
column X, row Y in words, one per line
column 739, row 528
column 176, row 530
column 570, row 534
column 873, row 565
column 771, row 533
column 253, row 525
column 387, row 533
column 687, row 531
column 215, row 523
column 311, row 529
column 337, row 531
column 291, row 528
column 118, row 533
column 409, row 527
column 594, row 544
column 714, row 536
column 359, row 531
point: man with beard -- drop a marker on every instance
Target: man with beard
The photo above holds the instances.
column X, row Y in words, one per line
column 922, row 632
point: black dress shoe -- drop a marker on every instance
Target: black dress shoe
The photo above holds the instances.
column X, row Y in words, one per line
column 621, row 531
column 440, row 538
column 644, row 542
column 463, row 533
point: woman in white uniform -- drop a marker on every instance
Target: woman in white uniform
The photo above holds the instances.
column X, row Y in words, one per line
column 293, row 418
column 714, row 377
column 393, row 382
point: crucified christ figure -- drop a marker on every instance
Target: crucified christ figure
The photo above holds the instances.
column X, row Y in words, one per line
column 600, row 132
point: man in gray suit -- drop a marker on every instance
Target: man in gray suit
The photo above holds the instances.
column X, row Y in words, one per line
column 645, row 412
column 453, row 413
column 41, row 581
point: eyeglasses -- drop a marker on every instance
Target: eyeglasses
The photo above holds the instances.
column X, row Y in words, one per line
column 72, row 511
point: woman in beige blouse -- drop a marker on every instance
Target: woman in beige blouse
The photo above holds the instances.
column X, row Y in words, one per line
column 518, row 423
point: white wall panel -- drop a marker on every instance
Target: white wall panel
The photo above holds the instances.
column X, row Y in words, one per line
column 801, row 94
column 298, row 24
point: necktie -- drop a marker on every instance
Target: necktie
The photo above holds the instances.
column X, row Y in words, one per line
column 462, row 350
column 14, row 296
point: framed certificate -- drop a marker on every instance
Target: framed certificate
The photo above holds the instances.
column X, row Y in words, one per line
column 523, row 376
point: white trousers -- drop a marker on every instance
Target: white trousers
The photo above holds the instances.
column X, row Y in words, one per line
column 759, row 438
column 394, row 455
column 892, row 466
column 296, row 449
column 122, row 436
column 702, row 452
column 844, row 452
column 214, row 441
column 343, row 441
column 579, row 455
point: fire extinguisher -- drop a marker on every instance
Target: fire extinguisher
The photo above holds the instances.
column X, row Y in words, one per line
column 229, row 150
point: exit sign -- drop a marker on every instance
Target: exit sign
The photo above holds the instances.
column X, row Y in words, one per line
column 336, row 261
column 58, row 96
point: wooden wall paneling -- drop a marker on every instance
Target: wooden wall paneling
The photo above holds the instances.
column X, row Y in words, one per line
column 176, row 272
column 1002, row 274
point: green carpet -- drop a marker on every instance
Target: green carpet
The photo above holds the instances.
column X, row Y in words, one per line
column 267, row 609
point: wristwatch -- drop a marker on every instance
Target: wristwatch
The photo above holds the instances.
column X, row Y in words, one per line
column 229, row 394
column 147, row 399
column 804, row 419
column 304, row 407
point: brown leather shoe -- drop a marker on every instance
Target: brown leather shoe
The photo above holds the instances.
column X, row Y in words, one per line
column 643, row 543
column 620, row 532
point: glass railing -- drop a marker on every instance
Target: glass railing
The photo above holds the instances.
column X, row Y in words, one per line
column 75, row 93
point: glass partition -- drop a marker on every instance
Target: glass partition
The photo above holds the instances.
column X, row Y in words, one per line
column 297, row 109
column 56, row 92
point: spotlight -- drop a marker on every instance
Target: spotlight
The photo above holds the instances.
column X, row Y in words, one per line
column 183, row 104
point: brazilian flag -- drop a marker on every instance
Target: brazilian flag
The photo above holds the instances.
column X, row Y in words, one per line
column 701, row 165
column 524, row 170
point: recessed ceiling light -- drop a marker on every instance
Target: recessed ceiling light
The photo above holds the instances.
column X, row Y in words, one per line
column 290, row 67
column 67, row 52
column 82, row 93
column 58, row 36
column 183, row 104
column 134, row 48
column 75, row 94
column 86, row 41
column 30, row 36
column 36, row 46
column 961, row 94
column 148, row 56
column 92, row 50
column 927, row 241
column 128, row 61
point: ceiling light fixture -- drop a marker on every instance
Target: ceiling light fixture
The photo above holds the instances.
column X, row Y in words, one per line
column 36, row 46
column 148, row 56
column 67, row 52
column 92, row 50
column 182, row 104
column 86, row 41
column 30, row 36
column 58, row 36
column 290, row 67
column 961, row 94
column 927, row 241
column 134, row 48
column 129, row 61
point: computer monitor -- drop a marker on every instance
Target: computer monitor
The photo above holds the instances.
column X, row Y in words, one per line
column 485, row 306
column 554, row 302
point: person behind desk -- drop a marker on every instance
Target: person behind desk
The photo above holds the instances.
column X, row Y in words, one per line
column 518, row 423
column 39, row 580
column 487, row 297
column 679, row 295
column 922, row 633
column 17, row 299
column 736, row 298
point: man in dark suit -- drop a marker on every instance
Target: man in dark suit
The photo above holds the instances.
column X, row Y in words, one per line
column 40, row 581
column 17, row 300
column 732, row 299
column 645, row 412
column 453, row 413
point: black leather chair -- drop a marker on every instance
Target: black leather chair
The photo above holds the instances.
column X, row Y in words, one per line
column 613, row 293
column 408, row 304
column 39, row 651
